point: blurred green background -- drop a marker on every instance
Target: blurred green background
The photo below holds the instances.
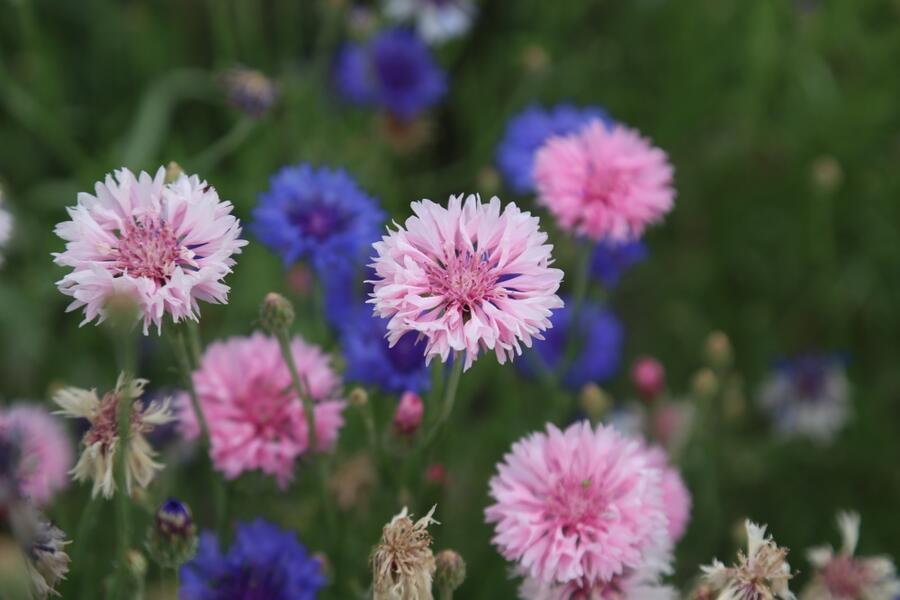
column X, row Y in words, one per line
column 782, row 120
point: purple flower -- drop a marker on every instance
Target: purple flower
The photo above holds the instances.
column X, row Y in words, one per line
column 264, row 562
column 611, row 259
column 317, row 214
column 395, row 70
column 526, row 133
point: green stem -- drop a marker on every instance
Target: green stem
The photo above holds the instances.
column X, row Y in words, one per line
column 225, row 145
column 182, row 355
column 449, row 400
column 445, row 593
column 123, row 499
column 285, row 343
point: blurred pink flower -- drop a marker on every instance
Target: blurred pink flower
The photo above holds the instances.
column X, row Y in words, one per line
column 675, row 495
column 604, row 182
column 466, row 277
column 166, row 246
column 648, row 377
column 582, row 505
column 256, row 420
column 46, row 451
column 408, row 415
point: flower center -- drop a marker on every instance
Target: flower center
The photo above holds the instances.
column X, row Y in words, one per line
column 464, row 280
column 604, row 184
column 267, row 408
column 845, row 577
column 252, row 582
column 574, row 504
column 147, row 247
column 318, row 220
column 105, row 426
column 809, row 379
column 396, row 68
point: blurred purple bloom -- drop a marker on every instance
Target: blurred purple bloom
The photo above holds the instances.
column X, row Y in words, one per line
column 611, row 260
column 395, row 70
column 527, row 131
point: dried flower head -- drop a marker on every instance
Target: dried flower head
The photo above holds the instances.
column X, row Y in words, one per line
column 761, row 574
column 101, row 440
column 44, row 546
column 842, row 576
column 402, row 562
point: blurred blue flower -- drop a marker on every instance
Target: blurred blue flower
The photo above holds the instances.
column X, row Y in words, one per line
column 395, row 70
column 263, row 562
column 599, row 347
column 370, row 360
column 808, row 395
column 317, row 214
column 526, row 133
column 611, row 259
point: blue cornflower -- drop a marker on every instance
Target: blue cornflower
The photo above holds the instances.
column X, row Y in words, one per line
column 263, row 563
column 370, row 360
column 394, row 70
column 317, row 214
column 808, row 395
column 599, row 346
column 611, row 259
column 526, row 133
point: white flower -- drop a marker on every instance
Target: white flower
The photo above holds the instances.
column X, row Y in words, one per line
column 841, row 576
column 437, row 21
column 402, row 563
column 100, row 442
column 761, row 574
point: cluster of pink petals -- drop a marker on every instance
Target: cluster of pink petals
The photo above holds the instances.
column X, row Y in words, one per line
column 255, row 417
column 468, row 277
column 46, row 451
column 604, row 182
column 582, row 506
column 164, row 245
column 675, row 495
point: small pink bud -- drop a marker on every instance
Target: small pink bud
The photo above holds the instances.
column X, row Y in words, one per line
column 648, row 376
column 436, row 474
column 408, row 415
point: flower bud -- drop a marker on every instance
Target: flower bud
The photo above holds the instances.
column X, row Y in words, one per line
column 718, row 350
column 705, row 384
column 649, row 377
column 359, row 397
column 408, row 415
column 436, row 474
column 173, row 537
column 276, row 313
column 451, row 570
column 249, row 91
column 136, row 563
column 594, row 401
column 826, row 174
column 173, row 171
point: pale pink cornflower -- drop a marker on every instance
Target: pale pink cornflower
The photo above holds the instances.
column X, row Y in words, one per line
column 604, row 182
column 164, row 245
column 408, row 414
column 255, row 417
column 581, row 506
column 45, row 451
column 675, row 496
column 842, row 576
column 467, row 277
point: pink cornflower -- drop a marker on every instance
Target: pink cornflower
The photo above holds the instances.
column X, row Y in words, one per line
column 581, row 506
column 675, row 496
column 467, row 277
column 409, row 413
column 165, row 245
column 256, row 420
column 46, row 451
column 604, row 182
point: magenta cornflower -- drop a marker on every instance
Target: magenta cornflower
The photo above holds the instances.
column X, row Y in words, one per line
column 466, row 277
column 46, row 451
column 580, row 506
column 256, row 420
column 165, row 245
column 607, row 183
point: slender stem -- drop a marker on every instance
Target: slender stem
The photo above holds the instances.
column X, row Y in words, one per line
column 177, row 582
column 123, row 499
column 182, row 355
column 580, row 289
column 285, row 343
column 445, row 593
column 449, row 400
column 225, row 145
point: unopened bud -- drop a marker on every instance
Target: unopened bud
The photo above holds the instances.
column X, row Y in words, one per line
column 136, row 564
column 649, row 377
column 436, row 474
column 173, row 538
column 408, row 415
column 404, row 135
column 249, row 91
column 705, row 384
column 359, row 397
column 594, row 401
column 535, row 58
column 489, row 180
column 276, row 313
column 826, row 173
column 450, row 570
column 173, row 171
column 718, row 350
